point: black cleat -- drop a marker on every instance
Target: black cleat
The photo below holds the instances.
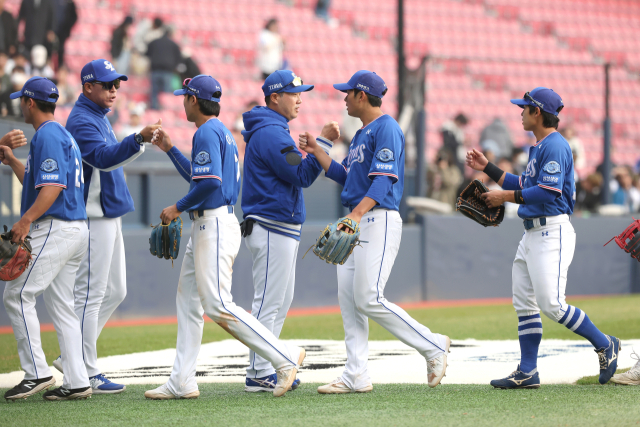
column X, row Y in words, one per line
column 28, row 388
column 68, row 394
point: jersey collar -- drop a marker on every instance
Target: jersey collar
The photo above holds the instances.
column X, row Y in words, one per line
column 92, row 106
column 539, row 142
column 372, row 121
column 45, row 123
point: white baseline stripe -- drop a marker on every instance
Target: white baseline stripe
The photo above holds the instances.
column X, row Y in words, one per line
column 531, row 331
column 526, row 322
column 579, row 322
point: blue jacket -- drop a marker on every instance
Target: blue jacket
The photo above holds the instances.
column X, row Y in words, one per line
column 105, row 189
column 274, row 171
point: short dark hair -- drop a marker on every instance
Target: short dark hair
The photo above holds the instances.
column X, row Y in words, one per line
column 270, row 22
column 548, row 119
column 374, row 101
column 267, row 99
column 461, row 118
column 44, row 106
column 208, row 107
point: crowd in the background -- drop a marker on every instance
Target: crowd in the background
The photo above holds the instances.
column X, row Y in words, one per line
column 447, row 176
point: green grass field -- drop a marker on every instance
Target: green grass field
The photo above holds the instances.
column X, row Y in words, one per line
column 389, row 405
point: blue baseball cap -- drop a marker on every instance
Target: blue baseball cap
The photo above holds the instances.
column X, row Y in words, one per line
column 38, row 88
column 100, row 70
column 545, row 99
column 366, row 81
column 284, row 81
column 201, row 86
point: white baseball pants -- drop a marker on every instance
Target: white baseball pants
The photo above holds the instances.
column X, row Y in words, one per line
column 539, row 274
column 361, row 283
column 58, row 248
column 205, row 287
column 101, row 284
column 274, row 276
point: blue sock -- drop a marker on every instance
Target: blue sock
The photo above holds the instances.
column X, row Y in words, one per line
column 577, row 321
column 529, row 335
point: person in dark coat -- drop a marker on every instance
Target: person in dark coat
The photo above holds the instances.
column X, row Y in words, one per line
column 39, row 21
column 164, row 55
column 8, row 31
column 67, row 21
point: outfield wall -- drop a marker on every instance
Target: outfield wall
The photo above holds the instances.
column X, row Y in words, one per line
column 450, row 257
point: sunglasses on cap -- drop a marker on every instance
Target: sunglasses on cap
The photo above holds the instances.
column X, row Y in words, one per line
column 528, row 97
column 297, row 81
column 109, row 85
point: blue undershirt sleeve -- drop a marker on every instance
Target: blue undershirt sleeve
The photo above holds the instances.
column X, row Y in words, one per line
column 182, row 164
column 536, row 195
column 511, row 182
column 201, row 190
column 337, row 172
column 380, row 187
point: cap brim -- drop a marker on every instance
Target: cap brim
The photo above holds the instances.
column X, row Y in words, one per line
column 180, row 92
column 298, row 89
column 15, row 95
column 342, row 87
column 111, row 77
column 520, row 102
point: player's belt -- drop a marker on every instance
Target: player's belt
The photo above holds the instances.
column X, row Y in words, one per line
column 209, row 212
column 530, row 223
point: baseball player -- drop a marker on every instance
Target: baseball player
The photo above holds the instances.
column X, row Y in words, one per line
column 53, row 214
column 101, row 281
column 205, row 278
column 546, row 194
column 373, row 180
column 273, row 207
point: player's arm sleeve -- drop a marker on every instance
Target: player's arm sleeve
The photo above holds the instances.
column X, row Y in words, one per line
column 337, row 172
column 536, row 195
column 511, row 182
column 182, row 164
column 388, row 148
column 51, row 163
column 380, row 187
column 552, row 168
column 207, row 155
column 202, row 189
column 102, row 156
column 286, row 162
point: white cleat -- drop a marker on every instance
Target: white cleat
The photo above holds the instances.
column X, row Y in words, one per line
column 58, row 364
column 286, row 377
column 163, row 393
column 437, row 367
column 632, row 376
column 338, row 386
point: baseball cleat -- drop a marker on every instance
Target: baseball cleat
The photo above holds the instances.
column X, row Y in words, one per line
column 338, row 386
column 437, row 367
column 28, row 388
column 518, row 379
column 286, row 377
column 163, row 393
column 608, row 358
column 256, row 385
column 632, row 376
column 62, row 393
column 102, row 385
column 58, row 364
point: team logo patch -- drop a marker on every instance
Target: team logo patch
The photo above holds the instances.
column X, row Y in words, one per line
column 108, row 66
column 49, row 165
column 202, row 158
column 385, row 155
column 552, row 167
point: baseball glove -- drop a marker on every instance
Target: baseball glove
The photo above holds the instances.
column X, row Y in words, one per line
column 334, row 246
column 165, row 240
column 471, row 204
column 14, row 257
column 629, row 239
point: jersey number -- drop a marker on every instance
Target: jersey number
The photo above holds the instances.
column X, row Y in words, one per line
column 79, row 174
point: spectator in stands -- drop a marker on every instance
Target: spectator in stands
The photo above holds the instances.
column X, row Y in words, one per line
column 188, row 67
column 443, row 179
column 39, row 62
column 121, row 45
column 453, row 139
column 68, row 93
column 519, row 160
column 627, row 195
column 164, row 55
column 11, row 107
column 5, row 78
column 135, row 121
column 65, row 25
column 588, row 197
column 39, row 18
column 577, row 148
column 238, row 127
column 498, row 132
column 8, row 31
column 322, row 11
column 270, row 48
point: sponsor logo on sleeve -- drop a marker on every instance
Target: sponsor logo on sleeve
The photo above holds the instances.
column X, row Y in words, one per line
column 553, row 179
column 50, row 176
column 202, row 158
column 49, row 165
column 385, row 155
column 552, row 167
column 201, row 169
column 382, row 166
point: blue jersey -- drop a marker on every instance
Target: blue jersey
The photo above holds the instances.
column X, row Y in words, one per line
column 214, row 155
column 376, row 149
column 54, row 159
column 551, row 167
